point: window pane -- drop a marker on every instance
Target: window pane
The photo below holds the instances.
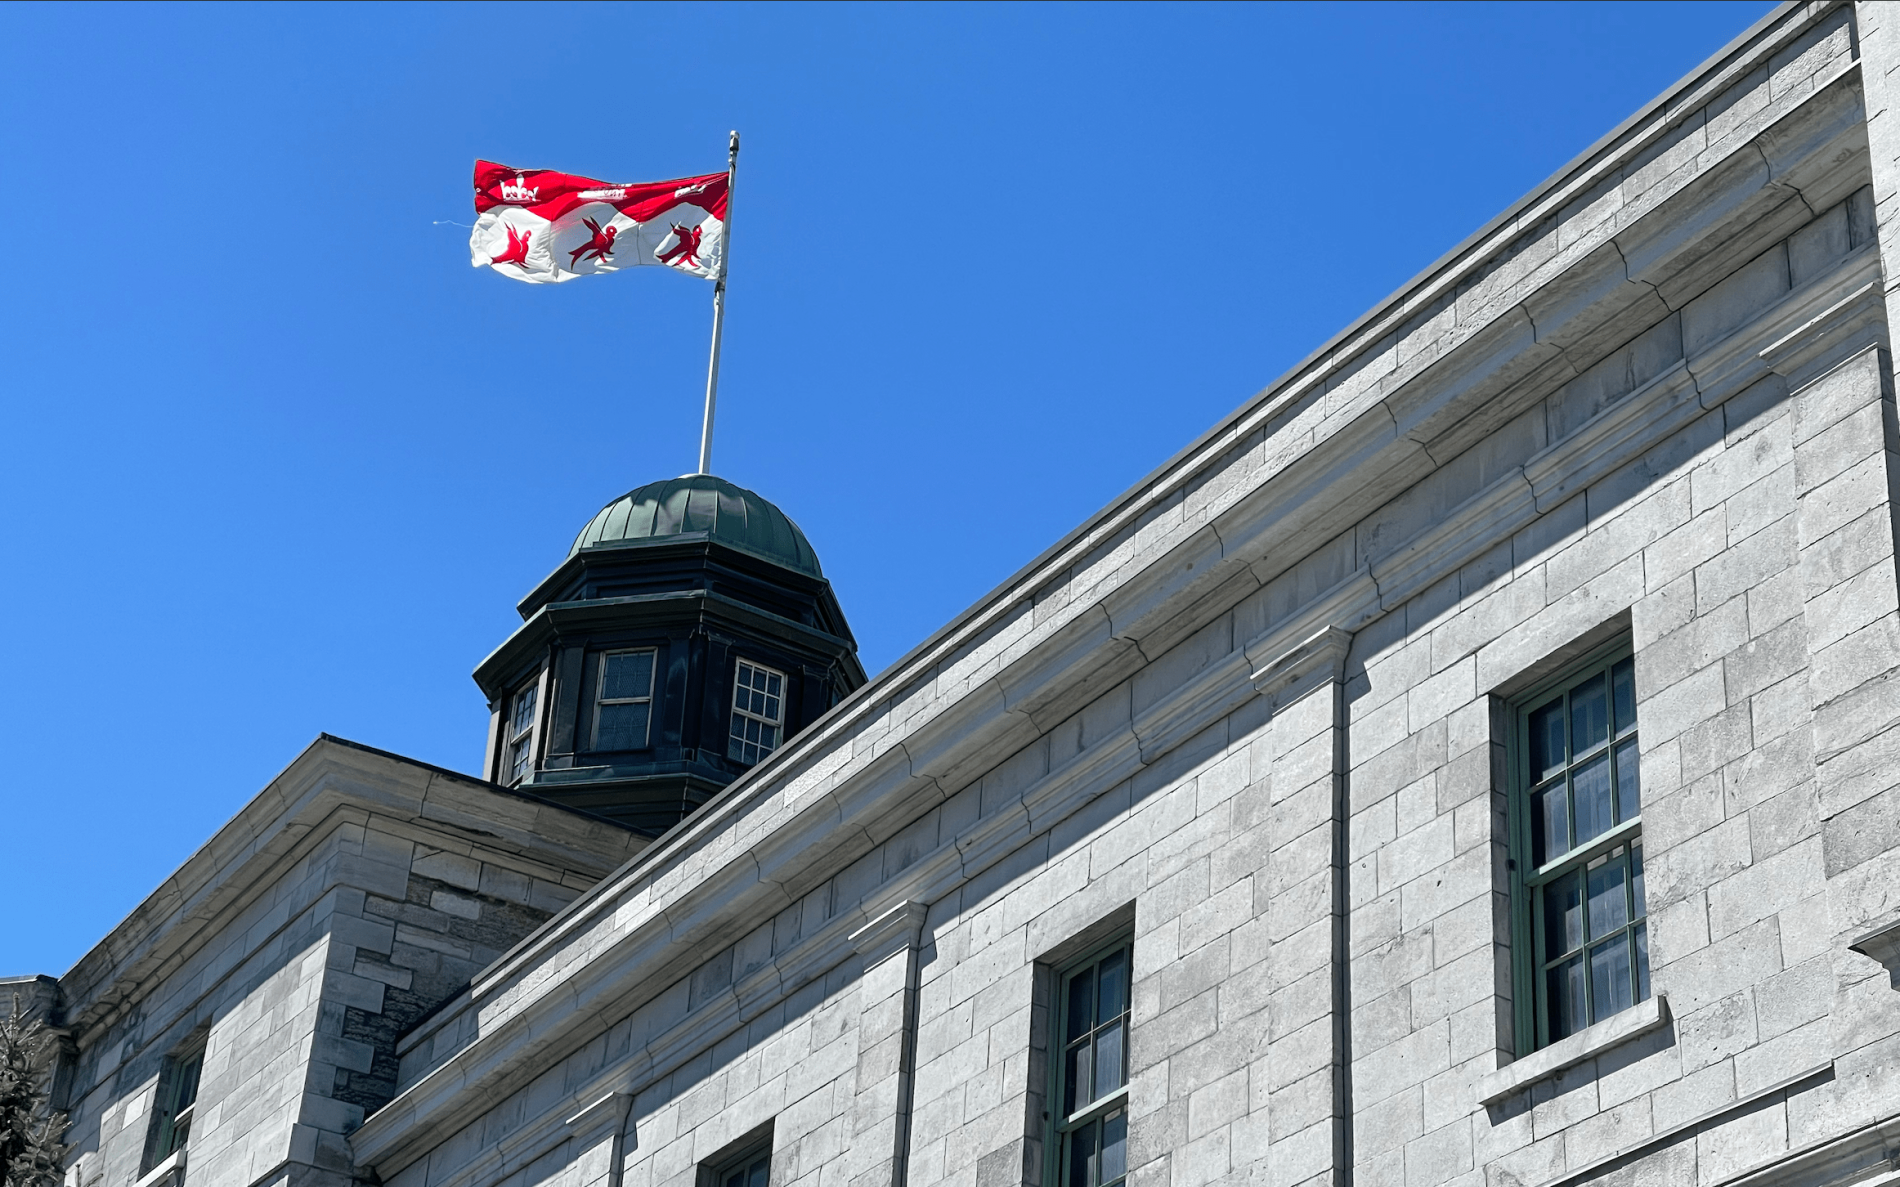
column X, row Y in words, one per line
column 1642, row 962
column 1082, row 1157
column 524, row 709
column 518, row 756
column 1565, row 991
column 627, row 675
column 736, row 1178
column 1629, row 798
column 1589, row 714
column 1547, row 739
column 1114, row 985
column 1108, row 1061
column 622, row 727
column 1078, row 1078
column 1081, row 1001
column 761, row 1172
column 1590, row 792
column 1550, row 824
column 1636, row 882
column 1623, row 693
column 188, row 1083
column 1114, row 1147
column 1609, row 904
column 1563, row 916
column 1610, row 977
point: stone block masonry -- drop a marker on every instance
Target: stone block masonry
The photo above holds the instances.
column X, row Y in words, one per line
column 1257, row 719
column 293, row 956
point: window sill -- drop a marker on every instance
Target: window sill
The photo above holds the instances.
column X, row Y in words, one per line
column 1588, row 1043
column 169, row 1171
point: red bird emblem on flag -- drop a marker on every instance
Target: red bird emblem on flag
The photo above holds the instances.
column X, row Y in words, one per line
column 685, row 249
column 600, row 247
column 517, row 253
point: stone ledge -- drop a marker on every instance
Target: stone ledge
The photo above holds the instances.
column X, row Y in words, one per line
column 1588, row 1043
column 1882, row 945
column 168, row 1173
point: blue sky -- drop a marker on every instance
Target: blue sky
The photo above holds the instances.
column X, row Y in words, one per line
column 278, row 461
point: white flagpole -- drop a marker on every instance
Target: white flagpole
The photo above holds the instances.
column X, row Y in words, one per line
column 719, row 312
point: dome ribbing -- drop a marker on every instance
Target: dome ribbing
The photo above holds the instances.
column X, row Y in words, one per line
column 700, row 505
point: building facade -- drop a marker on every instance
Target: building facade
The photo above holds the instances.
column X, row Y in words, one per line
column 1472, row 762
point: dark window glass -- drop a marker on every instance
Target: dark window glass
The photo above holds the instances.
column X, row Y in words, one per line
column 1580, row 774
column 1595, row 944
column 1092, row 1140
column 623, row 700
column 1623, row 693
column 622, row 727
column 758, row 712
column 1589, row 715
column 177, row 1103
column 754, row 1170
column 1548, row 751
column 627, row 675
column 520, row 756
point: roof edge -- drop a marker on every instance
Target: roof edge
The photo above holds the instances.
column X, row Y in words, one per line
column 214, row 862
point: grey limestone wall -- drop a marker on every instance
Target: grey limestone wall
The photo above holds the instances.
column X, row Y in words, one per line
column 1285, row 778
column 298, row 997
column 1740, row 592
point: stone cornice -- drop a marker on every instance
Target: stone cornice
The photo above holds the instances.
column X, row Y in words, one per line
column 1856, row 321
column 896, row 929
column 1312, row 641
column 1315, row 661
column 331, row 782
column 1300, row 649
column 1101, row 603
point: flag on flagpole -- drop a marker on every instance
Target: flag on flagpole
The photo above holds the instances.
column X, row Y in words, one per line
column 545, row 227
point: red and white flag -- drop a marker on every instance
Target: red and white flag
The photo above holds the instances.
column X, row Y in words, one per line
column 546, row 227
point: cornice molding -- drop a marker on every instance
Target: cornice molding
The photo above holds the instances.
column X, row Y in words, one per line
column 1311, row 640
column 899, row 746
column 333, row 782
column 1843, row 330
column 897, row 930
column 1319, row 660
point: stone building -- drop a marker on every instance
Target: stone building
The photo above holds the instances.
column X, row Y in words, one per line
column 1473, row 761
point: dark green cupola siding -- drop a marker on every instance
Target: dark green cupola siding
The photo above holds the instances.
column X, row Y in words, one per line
column 636, row 644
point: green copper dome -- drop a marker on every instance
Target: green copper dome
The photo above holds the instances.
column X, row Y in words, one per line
column 695, row 505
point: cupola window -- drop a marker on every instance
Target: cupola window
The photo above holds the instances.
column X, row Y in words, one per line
column 623, row 702
column 521, row 733
column 758, row 712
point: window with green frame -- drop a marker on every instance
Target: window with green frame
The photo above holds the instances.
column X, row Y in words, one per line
column 177, row 1101
column 1090, row 1119
column 1580, row 934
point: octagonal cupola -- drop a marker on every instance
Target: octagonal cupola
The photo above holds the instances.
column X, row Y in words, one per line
column 688, row 634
